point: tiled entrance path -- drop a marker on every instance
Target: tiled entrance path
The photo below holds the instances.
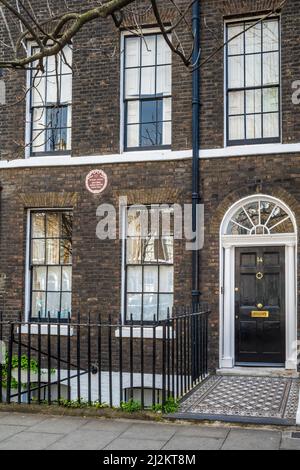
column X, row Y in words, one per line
column 34, row 432
column 260, row 400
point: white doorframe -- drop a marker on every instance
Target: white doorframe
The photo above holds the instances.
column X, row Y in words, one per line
column 228, row 244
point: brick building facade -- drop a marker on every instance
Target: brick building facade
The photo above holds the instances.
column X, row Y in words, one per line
column 228, row 174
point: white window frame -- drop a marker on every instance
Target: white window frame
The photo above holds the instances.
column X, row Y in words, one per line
column 250, row 149
column 28, row 123
column 27, row 280
column 125, row 34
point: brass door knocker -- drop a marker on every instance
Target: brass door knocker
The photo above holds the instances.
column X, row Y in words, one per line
column 259, row 276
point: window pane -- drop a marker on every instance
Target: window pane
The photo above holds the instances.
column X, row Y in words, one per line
column 150, row 250
column 65, row 252
column 53, row 93
column 134, row 251
column 165, row 250
column 38, row 225
column 133, row 111
column 39, row 278
column 150, row 307
column 164, row 80
column 133, row 135
column 53, row 303
column 271, row 125
column 253, row 123
column 164, row 55
column 67, row 59
column 52, row 247
column 38, row 304
column 134, row 279
column 148, row 50
column 167, row 133
column 38, row 141
column 271, row 102
column 132, row 82
column 38, row 252
column 167, row 109
column 271, row 68
column 134, row 306
column 149, row 111
column 236, row 46
column 165, row 306
column 54, row 279
column 67, row 225
column 151, row 279
column 38, row 90
column 236, row 128
column 66, row 305
column 253, row 101
column 253, row 38
column 132, row 45
column 149, row 135
column 67, row 278
column 270, row 35
column 53, row 224
column 166, row 279
column 253, row 70
column 66, row 89
column 236, row 102
column 39, row 118
column 236, row 72
column 148, row 81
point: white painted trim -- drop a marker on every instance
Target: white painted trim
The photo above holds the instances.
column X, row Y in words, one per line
column 149, row 156
column 147, row 332
column 228, row 244
column 66, row 160
column 34, row 329
column 250, row 150
column 298, row 413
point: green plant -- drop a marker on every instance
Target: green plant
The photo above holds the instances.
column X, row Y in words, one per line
column 131, row 406
column 24, row 364
column 171, row 406
column 80, row 404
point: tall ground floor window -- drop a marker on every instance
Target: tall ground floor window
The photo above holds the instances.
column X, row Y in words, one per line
column 149, row 269
column 50, row 265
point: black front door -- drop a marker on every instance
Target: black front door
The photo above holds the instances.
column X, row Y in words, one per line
column 260, row 306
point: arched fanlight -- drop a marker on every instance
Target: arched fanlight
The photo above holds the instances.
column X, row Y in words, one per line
column 260, row 217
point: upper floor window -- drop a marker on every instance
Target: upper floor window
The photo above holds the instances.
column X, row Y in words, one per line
column 51, row 105
column 253, row 82
column 147, row 92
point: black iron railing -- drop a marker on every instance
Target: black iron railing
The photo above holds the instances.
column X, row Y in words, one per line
column 101, row 363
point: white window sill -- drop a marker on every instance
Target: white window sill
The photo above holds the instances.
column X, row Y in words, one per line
column 34, row 329
column 148, row 332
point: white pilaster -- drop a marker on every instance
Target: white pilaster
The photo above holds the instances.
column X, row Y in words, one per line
column 227, row 361
column 291, row 309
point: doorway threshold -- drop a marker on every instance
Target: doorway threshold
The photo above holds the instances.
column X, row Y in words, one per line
column 259, row 372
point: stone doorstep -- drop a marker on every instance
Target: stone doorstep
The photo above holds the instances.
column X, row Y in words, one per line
column 259, row 372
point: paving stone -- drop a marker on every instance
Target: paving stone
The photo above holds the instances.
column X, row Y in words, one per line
column 59, row 425
column 22, row 420
column 288, row 443
column 7, row 431
column 150, row 431
column 29, row 441
column 193, row 443
column 135, row 444
column 248, row 439
column 201, row 431
column 107, row 425
column 84, row 440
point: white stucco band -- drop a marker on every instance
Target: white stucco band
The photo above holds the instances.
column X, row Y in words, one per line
column 228, row 244
column 149, row 156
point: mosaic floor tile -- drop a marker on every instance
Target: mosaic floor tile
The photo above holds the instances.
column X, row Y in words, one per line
column 263, row 397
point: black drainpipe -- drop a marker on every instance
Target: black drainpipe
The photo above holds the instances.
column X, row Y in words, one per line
column 196, row 145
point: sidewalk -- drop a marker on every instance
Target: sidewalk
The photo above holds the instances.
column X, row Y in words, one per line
column 34, row 432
